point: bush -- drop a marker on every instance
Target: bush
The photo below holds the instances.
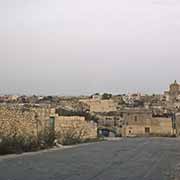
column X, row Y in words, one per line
column 72, row 141
column 106, row 96
column 20, row 144
column 46, row 138
column 10, row 145
column 68, row 138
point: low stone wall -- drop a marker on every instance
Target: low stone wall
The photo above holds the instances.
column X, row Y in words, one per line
column 75, row 126
column 16, row 121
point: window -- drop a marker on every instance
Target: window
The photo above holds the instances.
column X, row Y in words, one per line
column 135, row 118
column 121, row 115
column 147, row 130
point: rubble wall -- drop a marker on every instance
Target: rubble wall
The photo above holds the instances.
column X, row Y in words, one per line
column 76, row 125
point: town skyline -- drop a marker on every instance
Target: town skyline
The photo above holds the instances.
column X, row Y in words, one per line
column 86, row 94
column 16, row 95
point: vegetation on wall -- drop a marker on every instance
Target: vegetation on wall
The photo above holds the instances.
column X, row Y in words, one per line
column 87, row 115
column 106, row 96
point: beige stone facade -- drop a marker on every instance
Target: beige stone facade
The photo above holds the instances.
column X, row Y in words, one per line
column 100, row 105
column 135, row 122
column 149, row 127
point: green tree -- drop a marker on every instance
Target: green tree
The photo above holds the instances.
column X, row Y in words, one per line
column 106, row 96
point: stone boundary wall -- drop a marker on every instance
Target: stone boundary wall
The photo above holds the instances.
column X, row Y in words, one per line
column 15, row 121
column 77, row 126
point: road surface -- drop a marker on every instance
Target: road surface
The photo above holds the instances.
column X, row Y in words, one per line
column 126, row 159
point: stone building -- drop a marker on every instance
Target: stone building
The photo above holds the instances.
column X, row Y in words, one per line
column 100, row 105
column 135, row 122
column 139, row 122
column 111, row 121
column 149, row 127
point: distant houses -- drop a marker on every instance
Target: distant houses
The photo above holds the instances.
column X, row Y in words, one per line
column 120, row 115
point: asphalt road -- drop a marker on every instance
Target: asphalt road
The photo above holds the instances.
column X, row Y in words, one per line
column 126, row 159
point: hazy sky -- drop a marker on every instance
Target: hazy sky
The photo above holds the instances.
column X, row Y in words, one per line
column 74, row 47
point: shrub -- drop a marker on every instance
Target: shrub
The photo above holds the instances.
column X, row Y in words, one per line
column 46, row 138
column 19, row 144
column 68, row 137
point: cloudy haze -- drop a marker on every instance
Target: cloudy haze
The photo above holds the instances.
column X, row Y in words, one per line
column 73, row 47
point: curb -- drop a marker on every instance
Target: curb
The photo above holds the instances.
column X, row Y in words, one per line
column 13, row 156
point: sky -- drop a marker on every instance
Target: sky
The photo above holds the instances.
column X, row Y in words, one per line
column 75, row 47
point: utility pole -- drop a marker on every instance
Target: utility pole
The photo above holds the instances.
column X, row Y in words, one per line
column 173, row 117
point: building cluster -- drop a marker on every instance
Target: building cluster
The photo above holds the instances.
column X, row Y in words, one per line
column 137, row 114
column 89, row 116
column 35, row 121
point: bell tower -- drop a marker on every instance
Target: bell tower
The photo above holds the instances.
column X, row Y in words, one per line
column 174, row 90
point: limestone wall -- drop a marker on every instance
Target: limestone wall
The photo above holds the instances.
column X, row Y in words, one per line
column 75, row 126
column 110, row 121
column 162, row 126
column 100, row 105
column 178, row 123
column 153, row 126
column 15, row 121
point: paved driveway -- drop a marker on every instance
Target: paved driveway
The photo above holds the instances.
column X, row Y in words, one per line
column 126, row 159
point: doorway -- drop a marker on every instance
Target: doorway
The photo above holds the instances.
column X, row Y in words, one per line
column 147, row 130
